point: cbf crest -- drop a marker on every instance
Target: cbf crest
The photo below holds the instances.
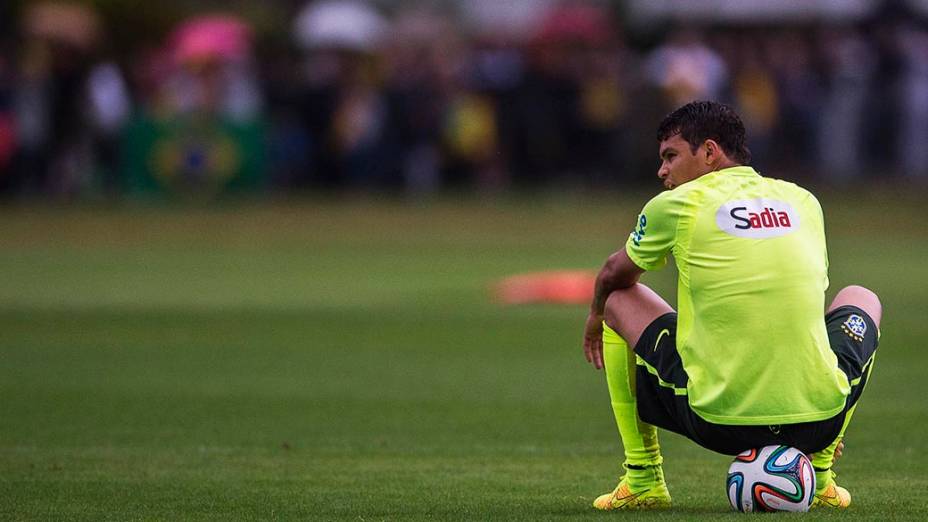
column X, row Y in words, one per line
column 855, row 327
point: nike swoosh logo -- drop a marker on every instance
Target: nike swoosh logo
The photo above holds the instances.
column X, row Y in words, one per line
column 830, row 498
column 624, row 501
column 659, row 336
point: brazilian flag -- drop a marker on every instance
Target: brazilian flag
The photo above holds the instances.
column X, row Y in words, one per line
column 194, row 156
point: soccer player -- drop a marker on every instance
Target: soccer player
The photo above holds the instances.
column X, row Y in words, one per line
column 749, row 360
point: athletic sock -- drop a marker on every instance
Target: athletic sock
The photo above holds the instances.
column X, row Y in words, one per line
column 643, row 476
column 822, row 460
column 642, row 451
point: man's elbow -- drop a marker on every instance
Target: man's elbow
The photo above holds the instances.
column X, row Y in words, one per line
column 623, row 271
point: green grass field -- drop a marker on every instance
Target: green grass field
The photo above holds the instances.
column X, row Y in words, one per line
column 323, row 360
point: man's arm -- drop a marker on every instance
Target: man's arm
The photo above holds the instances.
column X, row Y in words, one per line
column 617, row 273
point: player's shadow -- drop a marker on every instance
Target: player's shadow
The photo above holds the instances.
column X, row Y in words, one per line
column 674, row 513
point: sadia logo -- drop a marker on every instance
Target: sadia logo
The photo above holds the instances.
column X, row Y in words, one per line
column 757, row 218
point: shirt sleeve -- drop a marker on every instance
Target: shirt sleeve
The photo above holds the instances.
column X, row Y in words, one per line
column 655, row 232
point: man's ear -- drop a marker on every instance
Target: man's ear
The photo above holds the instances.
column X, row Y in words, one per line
column 712, row 151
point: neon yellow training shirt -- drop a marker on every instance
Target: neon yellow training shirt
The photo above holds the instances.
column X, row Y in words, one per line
column 753, row 270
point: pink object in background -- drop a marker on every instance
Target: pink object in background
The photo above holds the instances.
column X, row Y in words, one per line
column 7, row 139
column 212, row 37
column 589, row 24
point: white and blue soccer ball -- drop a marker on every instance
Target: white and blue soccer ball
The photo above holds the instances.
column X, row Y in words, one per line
column 772, row 478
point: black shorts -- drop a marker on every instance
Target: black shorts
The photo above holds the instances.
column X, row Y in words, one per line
column 663, row 407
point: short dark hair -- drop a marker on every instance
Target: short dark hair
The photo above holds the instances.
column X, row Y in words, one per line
column 699, row 121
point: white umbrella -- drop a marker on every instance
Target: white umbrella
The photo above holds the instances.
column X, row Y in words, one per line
column 508, row 19
column 342, row 24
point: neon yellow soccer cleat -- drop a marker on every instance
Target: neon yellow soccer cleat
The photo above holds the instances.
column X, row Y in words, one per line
column 655, row 497
column 831, row 496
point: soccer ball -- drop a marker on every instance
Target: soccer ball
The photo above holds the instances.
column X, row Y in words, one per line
column 772, row 478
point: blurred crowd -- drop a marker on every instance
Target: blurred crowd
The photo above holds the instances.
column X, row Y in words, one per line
column 420, row 97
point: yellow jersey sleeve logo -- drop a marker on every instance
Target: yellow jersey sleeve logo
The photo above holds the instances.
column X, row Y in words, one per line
column 640, row 230
column 757, row 218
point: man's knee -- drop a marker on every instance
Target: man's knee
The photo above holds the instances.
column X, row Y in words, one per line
column 630, row 310
column 862, row 298
column 620, row 306
column 613, row 310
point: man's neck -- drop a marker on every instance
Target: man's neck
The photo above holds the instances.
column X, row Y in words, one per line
column 720, row 166
column 726, row 164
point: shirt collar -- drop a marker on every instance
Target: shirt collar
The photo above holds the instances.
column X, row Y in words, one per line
column 740, row 170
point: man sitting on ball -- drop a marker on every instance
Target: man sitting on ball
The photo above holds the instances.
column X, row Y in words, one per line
column 749, row 360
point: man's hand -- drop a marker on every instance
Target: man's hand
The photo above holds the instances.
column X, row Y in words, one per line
column 593, row 340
